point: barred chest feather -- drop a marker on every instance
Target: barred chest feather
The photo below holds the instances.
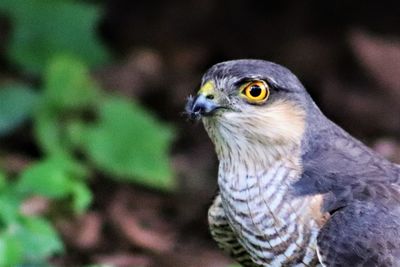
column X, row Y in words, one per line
column 274, row 226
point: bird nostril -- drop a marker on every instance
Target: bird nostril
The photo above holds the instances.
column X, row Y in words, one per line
column 211, row 97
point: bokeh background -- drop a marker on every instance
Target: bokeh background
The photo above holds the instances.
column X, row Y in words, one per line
column 98, row 164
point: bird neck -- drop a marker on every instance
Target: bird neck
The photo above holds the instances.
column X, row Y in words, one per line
column 239, row 148
column 239, row 163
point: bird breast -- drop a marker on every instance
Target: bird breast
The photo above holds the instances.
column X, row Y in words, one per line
column 273, row 225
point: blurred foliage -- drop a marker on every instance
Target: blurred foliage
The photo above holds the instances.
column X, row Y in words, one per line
column 57, row 178
column 126, row 141
column 23, row 239
column 56, row 41
column 43, row 29
column 16, row 105
column 68, row 91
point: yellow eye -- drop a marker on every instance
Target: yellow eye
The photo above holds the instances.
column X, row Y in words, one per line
column 255, row 92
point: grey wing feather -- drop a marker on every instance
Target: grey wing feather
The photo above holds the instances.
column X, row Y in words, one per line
column 361, row 234
column 226, row 239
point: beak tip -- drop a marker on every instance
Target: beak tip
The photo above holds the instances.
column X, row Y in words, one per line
column 189, row 109
column 200, row 106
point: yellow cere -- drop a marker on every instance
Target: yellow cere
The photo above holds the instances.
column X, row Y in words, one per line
column 207, row 88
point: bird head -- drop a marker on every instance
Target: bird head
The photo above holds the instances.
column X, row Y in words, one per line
column 251, row 102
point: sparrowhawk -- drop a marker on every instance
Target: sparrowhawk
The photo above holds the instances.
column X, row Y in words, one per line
column 295, row 189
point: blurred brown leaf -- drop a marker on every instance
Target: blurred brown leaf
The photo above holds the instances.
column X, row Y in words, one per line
column 380, row 57
column 15, row 163
column 135, row 229
column 122, row 260
column 139, row 72
column 35, row 205
column 83, row 232
column 389, row 148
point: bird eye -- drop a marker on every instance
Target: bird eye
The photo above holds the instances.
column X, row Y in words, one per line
column 255, row 92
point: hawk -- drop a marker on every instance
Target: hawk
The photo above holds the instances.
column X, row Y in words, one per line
column 295, row 189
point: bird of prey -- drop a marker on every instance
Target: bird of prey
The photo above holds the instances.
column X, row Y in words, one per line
column 295, row 189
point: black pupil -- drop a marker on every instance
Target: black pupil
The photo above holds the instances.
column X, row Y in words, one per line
column 255, row 91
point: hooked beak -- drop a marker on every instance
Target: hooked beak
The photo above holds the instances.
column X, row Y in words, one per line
column 201, row 105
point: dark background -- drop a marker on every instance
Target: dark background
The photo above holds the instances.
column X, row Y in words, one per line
column 346, row 53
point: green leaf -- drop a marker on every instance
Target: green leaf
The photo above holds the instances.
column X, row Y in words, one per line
column 16, row 105
column 9, row 207
column 3, row 181
column 39, row 239
column 42, row 263
column 68, row 87
column 48, row 131
column 42, row 29
column 81, row 197
column 53, row 177
column 28, row 243
column 11, row 251
column 129, row 143
column 68, row 84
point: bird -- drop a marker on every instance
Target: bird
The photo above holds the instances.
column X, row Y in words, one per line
column 294, row 188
